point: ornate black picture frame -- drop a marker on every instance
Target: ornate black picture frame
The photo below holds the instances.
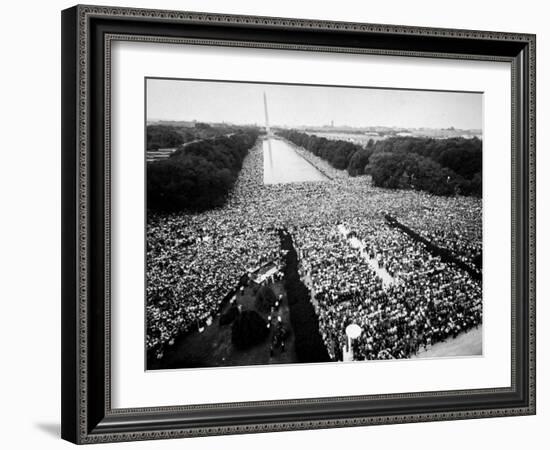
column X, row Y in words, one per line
column 87, row 34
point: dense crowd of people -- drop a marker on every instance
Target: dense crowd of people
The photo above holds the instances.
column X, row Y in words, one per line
column 452, row 224
column 426, row 302
column 194, row 260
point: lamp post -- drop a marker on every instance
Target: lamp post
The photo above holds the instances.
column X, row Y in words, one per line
column 353, row 331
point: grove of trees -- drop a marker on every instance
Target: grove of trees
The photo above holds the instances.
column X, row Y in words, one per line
column 200, row 175
column 438, row 166
column 165, row 136
column 339, row 154
column 171, row 136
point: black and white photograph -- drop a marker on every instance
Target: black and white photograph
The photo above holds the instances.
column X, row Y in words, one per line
column 291, row 223
column 275, row 225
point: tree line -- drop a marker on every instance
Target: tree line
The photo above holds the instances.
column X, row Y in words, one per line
column 171, row 136
column 200, row 175
column 438, row 166
column 341, row 155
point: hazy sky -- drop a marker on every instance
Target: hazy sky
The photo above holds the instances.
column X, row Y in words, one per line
column 295, row 105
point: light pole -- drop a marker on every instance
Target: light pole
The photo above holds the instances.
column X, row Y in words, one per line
column 353, row 331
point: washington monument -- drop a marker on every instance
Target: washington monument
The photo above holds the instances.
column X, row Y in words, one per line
column 267, row 129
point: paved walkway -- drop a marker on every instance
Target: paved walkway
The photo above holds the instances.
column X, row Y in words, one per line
column 468, row 343
column 354, row 242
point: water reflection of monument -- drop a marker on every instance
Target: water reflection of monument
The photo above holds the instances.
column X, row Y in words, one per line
column 268, row 132
column 267, row 129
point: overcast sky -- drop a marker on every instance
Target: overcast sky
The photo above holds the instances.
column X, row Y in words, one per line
column 296, row 105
